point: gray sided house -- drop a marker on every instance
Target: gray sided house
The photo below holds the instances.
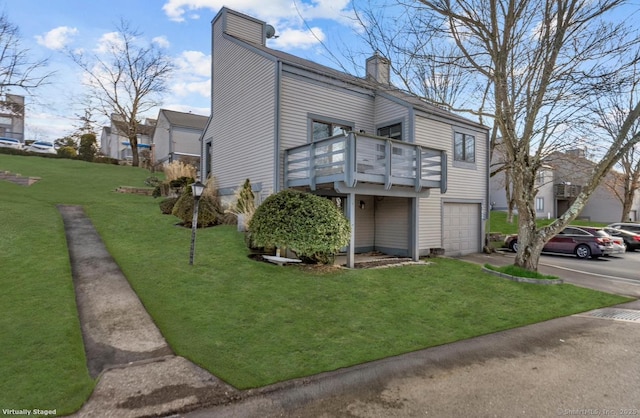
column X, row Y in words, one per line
column 177, row 136
column 114, row 141
column 410, row 177
column 12, row 117
column 559, row 182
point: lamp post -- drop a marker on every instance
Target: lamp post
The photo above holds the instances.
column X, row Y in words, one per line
column 196, row 189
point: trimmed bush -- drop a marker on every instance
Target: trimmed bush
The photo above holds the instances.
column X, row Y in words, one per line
column 209, row 211
column 67, row 152
column 166, row 205
column 311, row 226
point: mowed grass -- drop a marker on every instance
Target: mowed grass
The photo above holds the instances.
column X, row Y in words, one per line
column 247, row 322
column 498, row 223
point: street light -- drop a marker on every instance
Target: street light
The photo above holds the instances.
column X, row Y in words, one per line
column 196, row 189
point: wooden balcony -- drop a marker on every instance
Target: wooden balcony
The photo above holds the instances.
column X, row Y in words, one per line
column 359, row 158
column 566, row 191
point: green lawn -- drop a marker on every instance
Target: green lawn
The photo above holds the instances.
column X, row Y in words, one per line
column 247, row 322
column 498, row 223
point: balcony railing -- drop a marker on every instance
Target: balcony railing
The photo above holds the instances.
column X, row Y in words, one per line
column 566, row 191
column 361, row 158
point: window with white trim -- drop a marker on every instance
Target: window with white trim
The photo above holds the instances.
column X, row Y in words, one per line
column 539, row 204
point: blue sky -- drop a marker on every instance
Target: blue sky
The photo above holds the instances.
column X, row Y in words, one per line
column 180, row 27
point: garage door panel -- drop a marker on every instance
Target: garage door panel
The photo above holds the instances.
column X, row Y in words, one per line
column 461, row 228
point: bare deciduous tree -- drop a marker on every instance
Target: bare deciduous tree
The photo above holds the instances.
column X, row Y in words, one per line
column 535, row 66
column 126, row 79
column 16, row 67
column 612, row 108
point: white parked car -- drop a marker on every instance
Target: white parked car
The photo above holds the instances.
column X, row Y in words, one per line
column 10, row 143
column 42, row 147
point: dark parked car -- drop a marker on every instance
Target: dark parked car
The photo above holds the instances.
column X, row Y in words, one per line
column 627, row 226
column 584, row 242
column 631, row 239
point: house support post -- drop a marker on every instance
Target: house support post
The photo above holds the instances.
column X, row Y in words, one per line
column 414, row 233
column 351, row 214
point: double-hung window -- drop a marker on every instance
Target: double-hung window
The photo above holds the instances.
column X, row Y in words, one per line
column 329, row 155
column 391, row 131
column 321, row 130
column 464, row 147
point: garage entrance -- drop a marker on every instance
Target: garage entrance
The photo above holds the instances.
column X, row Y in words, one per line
column 461, row 228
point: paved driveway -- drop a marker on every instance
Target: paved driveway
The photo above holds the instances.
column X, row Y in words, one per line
column 617, row 274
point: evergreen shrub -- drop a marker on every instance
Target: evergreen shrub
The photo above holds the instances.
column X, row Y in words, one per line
column 209, row 210
column 166, row 205
column 311, row 226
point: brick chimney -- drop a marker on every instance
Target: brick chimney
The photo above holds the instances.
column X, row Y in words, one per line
column 378, row 69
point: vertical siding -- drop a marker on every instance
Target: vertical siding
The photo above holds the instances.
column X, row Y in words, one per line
column 187, row 140
column 365, row 223
column 243, row 115
column 430, row 228
column 603, row 206
column 392, row 224
column 463, row 184
column 388, row 111
column 302, row 96
column 244, row 27
column 161, row 138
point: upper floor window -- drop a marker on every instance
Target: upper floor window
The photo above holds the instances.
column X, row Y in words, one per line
column 391, row 131
column 464, row 147
column 323, row 130
column 540, row 177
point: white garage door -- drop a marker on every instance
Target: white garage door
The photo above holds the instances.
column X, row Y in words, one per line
column 461, row 228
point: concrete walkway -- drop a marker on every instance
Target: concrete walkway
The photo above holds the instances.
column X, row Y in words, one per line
column 548, row 369
column 138, row 375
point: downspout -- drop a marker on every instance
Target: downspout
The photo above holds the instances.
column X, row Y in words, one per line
column 277, row 186
column 170, row 143
column 488, row 196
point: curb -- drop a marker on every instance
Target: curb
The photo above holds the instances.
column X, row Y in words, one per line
column 522, row 279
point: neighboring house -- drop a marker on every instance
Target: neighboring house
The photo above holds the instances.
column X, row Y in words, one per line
column 409, row 176
column 177, row 136
column 114, row 141
column 560, row 181
column 12, row 117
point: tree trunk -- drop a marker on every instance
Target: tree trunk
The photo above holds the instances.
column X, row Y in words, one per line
column 508, row 195
column 629, row 194
column 529, row 242
column 133, row 141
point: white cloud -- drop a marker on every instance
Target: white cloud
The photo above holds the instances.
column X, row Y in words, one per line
column 108, row 42
column 296, row 38
column 289, row 18
column 277, row 9
column 57, row 38
column 201, row 88
column 161, row 41
column 193, row 74
column 194, row 62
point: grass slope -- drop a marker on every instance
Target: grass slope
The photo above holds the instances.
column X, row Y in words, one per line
column 249, row 323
